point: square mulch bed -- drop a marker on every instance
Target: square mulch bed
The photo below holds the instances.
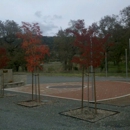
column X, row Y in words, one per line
column 88, row 114
column 34, row 103
column 29, row 103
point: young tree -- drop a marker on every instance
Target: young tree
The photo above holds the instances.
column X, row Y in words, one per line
column 35, row 51
column 91, row 49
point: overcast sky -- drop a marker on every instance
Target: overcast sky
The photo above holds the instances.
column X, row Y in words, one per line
column 55, row 14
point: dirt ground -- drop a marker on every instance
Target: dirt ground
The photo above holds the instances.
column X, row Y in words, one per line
column 72, row 90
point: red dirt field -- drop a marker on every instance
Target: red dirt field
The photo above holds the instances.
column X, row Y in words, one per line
column 104, row 90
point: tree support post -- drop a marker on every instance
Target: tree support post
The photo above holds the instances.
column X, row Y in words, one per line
column 82, row 88
column 35, row 87
column 32, row 85
column 88, row 88
column 95, row 95
column 39, row 88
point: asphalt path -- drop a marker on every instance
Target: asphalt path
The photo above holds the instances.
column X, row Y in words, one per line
column 48, row 117
column 60, row 79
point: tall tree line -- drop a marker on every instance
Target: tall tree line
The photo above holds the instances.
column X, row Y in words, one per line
column 12, row 45
column 61, row 47
column 116, row 26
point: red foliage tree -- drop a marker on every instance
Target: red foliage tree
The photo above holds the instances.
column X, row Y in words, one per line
column 91, row 48
column 34, row 50
column 3, row 58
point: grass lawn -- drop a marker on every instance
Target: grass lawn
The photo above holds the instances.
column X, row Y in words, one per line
column 56, row 69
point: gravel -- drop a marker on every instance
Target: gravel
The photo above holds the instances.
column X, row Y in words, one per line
column 48, row 117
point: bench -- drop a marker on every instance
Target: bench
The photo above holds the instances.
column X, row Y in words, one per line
column 13, row 84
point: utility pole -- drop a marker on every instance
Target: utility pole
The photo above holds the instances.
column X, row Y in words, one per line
column 126, row 63
column 106, row 63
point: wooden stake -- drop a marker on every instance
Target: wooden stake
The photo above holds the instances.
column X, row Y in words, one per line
column 95, row 94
